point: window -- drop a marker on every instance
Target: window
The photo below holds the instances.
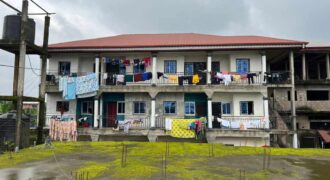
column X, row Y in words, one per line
column 139, row 107
column 246, row 107
column 62, row 106
column 169, row 107
column 87, row 107
column 317, row 95
column 170, row 66
column 64, row 68
column 226, row 108
column 289, row 95
column 189, row 108
column 189, row 69
column 138, row 67
column 242, row 65
column 120, row 107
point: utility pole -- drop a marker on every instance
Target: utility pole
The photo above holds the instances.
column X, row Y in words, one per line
column 42, row 90
column 15, row 84
column 20, row 85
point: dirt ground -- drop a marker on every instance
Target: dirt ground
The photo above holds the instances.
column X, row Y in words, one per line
column 277, row 167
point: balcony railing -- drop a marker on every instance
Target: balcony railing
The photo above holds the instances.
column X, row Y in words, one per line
column 278, row 77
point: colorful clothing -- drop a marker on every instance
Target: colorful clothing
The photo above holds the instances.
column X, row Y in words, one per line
column 87, row 84
column 180, row 128
column 195, row 79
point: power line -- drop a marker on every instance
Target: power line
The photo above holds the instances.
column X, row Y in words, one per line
column 11, row 66
column 32, row 67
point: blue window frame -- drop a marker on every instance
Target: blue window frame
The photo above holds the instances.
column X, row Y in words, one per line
column 189, row 69
column 170, row 66
column 226, row 108
column 190, row 109
column 242, row 65
column 169, row 107
column 139, row 107
column 246, row 107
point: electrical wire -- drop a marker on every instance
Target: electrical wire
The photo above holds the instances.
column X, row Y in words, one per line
column 32, row 67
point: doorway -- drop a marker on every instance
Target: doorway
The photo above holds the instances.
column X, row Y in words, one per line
column 111, row 114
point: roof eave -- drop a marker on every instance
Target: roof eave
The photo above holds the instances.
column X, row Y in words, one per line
column 175, row 48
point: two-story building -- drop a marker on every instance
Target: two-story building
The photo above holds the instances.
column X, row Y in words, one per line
column 149, row 78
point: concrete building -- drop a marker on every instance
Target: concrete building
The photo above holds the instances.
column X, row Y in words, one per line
column 260, row 67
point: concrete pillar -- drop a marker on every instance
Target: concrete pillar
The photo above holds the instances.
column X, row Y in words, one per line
column 153, row 113
column 304, row 66
column 328, row 65
column 266, row 112
column 101, row 112
column 209, row 68
column 154, row 69
column 97, row 66
column 209, row 113
column 263, row 66
column 96, row 113
column 318, row 71
column 293, row 103
column 102, row 71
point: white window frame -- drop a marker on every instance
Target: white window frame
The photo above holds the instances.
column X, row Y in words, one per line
column 82, row 107
column 175, row 109
column 189, row 102
column 145, row 107
column 118, row 103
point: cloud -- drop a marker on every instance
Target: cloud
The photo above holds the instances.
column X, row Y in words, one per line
column 81, row 19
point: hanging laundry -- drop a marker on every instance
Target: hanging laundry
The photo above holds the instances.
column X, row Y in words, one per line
column 178, row 131
column 227, row 79
column 146, row 76
column 137, row 77
column 168, row 124
column 63, row 130
column 105, row 75
column 188, row 78
column 65, row 86
column 250, row 77
column 120, row 78
column 237, row 77
column 195, row 79
column 87, row 84
column 127, row 62
column 128, row 78
column 159, row 74
column 173, row 78
column 147, row 61
column 71, row 89
column 180, row 81
column 234, row 124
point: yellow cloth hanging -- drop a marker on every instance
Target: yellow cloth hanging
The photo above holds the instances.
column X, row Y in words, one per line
column 180, row 128
column 173, row 78
column 237, row 77
column 195, row 79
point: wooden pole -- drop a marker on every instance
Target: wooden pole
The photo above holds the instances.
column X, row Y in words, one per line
column 42, row 90
column 20, row 86
column 15, row 83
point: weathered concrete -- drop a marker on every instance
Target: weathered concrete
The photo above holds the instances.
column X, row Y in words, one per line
column 253, row 138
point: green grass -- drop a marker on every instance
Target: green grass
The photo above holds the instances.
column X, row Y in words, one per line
column 144, row 159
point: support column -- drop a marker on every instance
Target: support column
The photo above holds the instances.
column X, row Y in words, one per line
column 153, row 113
column 102, row 71
column 266, row 112
column 263, row 66
column 154, row 69
column 209, row 68
column 101, row 112
column 21, row 71
column 304, row 77
column 96, row 101
column 15, row 84
column 42, row 90
column 293, row 103
column 96, row 113
column 209, row 113
column 328, row 65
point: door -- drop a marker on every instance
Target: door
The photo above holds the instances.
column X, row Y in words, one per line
column 112, row 114
column 216, row 109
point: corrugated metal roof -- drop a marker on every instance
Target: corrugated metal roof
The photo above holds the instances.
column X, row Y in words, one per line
column 325, row 135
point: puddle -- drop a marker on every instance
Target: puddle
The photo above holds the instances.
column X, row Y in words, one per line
column 319, row 169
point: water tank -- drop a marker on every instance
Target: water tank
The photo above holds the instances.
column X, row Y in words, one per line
column 12, row 28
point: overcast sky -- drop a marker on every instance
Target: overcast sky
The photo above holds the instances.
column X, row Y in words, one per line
column 79, row 19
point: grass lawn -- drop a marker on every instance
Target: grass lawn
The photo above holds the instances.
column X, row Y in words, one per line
column 145, row 160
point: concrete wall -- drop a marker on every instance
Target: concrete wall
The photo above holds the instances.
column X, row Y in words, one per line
column 303, row 122
column 177, row 97
column 55, row 59
column 255, row 60
column 51, row 105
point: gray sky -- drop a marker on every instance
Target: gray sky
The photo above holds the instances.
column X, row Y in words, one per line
column 80, row 19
